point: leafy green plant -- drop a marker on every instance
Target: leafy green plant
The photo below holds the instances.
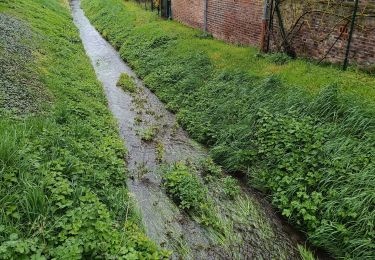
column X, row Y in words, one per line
column 190, row 194
column 231, row 187
column 148, row 134
column 185, row 188
column 127, row 83
column 209, row 169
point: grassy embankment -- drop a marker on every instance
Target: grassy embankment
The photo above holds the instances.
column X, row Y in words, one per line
column 62, row 175
column 301, row 132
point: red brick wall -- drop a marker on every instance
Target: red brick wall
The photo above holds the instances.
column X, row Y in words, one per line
column 235, row 21
column 240, row 21
column 319, row 33
column 189, row 12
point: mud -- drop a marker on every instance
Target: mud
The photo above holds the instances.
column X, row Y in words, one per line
column 141, row 113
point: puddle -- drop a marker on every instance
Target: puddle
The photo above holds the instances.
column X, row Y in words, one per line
column 163, row 221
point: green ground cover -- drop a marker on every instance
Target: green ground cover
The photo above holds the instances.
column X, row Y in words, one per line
column 301, row 132
column 62, row 175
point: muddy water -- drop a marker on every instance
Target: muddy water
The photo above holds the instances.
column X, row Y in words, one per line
column 163, row 221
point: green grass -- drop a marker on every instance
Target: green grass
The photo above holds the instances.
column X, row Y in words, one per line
column 63, row 188
column 305, row 253
column 301, row 132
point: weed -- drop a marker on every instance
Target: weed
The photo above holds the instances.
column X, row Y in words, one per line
column 139, row 102
column 158, row 116
column 141, row 170
column 190, row 194
column 137, row 120
column 185, row 188
column 159, row 151
column 231, row 187
column 179, row 243
column 150, row 112
column 279, row 58
column 209, row 169
column 148, row 134
column 175, row 127
column 127, row 83
column 305, row 253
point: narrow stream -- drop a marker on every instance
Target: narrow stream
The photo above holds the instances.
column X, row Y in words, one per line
column 163, row 221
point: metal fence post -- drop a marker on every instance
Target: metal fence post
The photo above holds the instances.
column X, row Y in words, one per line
column 265, row 21
column 346, row 61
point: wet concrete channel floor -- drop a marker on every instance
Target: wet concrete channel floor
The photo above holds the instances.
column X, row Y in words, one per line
column 163, row 220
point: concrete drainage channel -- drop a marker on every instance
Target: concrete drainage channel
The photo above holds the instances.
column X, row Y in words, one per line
column 255, row 232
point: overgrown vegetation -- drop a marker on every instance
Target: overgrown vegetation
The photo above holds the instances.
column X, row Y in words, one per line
column 301, row 132
column 231, row 187
column 190, row 194
column 62, row 176
column 148, row 134
column 210, row 171
column 234, row 222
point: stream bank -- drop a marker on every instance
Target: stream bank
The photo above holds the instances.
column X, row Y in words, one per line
column 254, row 232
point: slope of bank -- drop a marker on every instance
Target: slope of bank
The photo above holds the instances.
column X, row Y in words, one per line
column 301, row 132
column 63, row 188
